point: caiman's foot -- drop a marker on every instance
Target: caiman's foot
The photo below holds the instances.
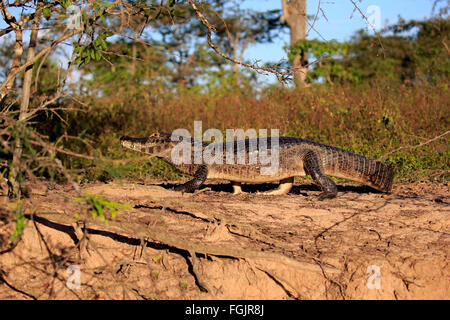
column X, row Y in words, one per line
column 326, row 195
column 284, row 188
column 236, row 187
column 192, row 185
column 183, row 188
column 313, row 168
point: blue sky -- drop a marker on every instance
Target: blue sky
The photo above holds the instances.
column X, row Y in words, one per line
column 341, row 21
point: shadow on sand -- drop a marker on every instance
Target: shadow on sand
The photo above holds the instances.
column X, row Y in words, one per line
column 263, row 187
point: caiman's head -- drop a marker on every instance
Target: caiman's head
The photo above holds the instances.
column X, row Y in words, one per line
column 154, row 145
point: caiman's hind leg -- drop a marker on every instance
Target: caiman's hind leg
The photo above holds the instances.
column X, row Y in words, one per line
column 284, row 188
column 236, row 187
column 312, row 167
column 192, row 185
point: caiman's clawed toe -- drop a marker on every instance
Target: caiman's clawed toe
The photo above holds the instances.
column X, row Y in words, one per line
column 192, row 185
column 184, row 189
column 325, row 196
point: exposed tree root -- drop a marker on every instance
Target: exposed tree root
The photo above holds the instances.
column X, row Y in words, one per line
column 137, row 231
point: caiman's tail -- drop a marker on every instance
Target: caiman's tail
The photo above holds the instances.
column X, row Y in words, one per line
column 380, row 176
column 355, row 167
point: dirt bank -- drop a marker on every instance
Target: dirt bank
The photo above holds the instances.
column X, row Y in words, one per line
column 215, row 245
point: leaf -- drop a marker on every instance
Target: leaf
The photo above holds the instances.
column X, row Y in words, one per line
column 157, row 258
column 20, row 224
column 106, row 4
column 101, row 42
column 108, row 34
column 66, row 3
column 99, row 205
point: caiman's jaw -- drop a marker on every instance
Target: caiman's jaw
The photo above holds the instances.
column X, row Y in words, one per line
column 133, row 143
column 153, row 145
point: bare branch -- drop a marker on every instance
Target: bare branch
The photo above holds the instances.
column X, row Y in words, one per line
column 6, row 85
column 369, row 24
column 416, row 146
column 211, row 28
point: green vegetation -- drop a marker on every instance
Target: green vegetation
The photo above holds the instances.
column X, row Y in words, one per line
column 368, row 120
column 413, row 51
column 20, row 223
column 99, row 206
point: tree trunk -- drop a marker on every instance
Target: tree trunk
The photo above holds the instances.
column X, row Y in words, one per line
column 26, row 89
column 18, row 52
column 133, row 55
column 294, row 13
column 24, row 104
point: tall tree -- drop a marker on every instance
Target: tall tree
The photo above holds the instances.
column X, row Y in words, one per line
column 26, row 90
column 294, row 14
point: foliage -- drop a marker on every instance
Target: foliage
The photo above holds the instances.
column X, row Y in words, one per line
column 327, row 53
column 20, row 223
column 99, row 206
column 413, row 51
column 368, row 120
column 91, row 50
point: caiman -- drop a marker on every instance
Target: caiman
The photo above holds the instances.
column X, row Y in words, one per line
column 296, row 157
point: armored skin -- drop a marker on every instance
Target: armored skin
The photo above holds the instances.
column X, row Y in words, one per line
column 295, row 157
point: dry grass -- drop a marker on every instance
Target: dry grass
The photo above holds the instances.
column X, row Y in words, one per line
column 370, row 120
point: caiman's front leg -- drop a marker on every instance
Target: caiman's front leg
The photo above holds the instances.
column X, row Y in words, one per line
column 192, row 185
column 312, row 167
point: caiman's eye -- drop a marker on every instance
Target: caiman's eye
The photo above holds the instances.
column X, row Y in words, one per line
column 156, row 134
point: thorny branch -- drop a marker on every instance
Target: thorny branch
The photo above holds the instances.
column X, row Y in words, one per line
column 274, row 70
column 280, row 72
column 369, row 24
column 416, row 146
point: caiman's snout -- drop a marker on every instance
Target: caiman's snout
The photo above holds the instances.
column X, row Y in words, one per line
column 133, row 143
column 131, row 139
column 125, row 141
column 152, row 145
